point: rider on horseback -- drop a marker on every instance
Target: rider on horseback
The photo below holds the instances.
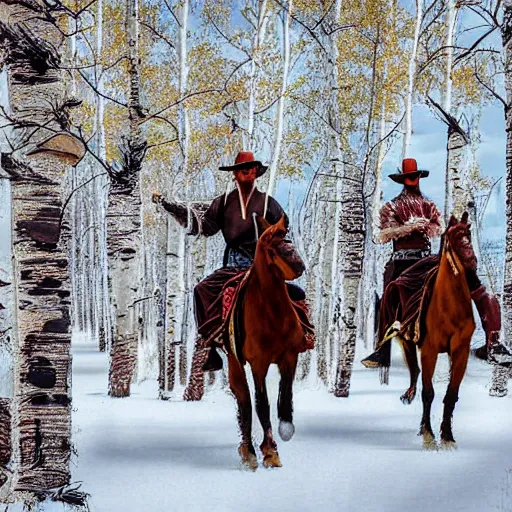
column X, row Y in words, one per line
column 410, row 220
column 232, row 214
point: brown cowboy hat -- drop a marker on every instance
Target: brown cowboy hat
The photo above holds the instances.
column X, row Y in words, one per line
column 409, row 170
column 243, row 160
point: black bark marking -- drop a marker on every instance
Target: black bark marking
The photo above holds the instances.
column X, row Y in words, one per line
column 41, row 373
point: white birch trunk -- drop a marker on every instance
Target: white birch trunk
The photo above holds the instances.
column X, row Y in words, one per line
column 258, row 40
column 8, row 342
column 278, row 137
column 411, row 80
column 506, row 35
column 124, row 226
column 336, row 169
column 183, row 295
column 42, row 408
column 373, row 251
column 336, row 295
column 352, row 240
column 100, row 193
column 457, row 193
column 450, row 23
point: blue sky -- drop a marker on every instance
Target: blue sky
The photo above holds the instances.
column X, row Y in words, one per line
column 428, row 146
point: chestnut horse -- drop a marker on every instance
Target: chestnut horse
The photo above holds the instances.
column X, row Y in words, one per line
column 273, row 334
column 448, row 327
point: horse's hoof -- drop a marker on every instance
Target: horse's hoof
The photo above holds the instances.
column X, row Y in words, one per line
column 429, row 442
column 250, row 464
column 271, row 460
column 448, row 445
column 408, row 397
column 286, row 430
column 249, row 460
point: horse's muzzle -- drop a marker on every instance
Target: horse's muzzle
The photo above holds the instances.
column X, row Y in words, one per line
column 298, row 267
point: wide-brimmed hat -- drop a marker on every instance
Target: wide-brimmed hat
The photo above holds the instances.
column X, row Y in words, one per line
column 243, row 160
column 409, row 170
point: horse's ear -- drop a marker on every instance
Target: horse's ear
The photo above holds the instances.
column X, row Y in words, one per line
column 283, row 222
column 452, row 221
column 286, row 221
column 464, row 219
column 263, row 223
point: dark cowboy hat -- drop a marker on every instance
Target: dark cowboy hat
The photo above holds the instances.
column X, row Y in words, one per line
column 243, row 160
column 409, row 170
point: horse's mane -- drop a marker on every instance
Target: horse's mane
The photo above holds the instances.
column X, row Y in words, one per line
column 441, row 244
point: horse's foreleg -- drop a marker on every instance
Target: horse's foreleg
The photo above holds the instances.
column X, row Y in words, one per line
column 239, row 387
column 411, row 358
column 268, row 445
column 459, row 360
column 287, row 367
column 428, row 366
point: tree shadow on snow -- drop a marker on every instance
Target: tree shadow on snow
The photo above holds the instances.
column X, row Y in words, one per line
column 173, row 450
column 376, row 434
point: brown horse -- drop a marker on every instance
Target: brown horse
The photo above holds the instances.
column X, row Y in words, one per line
column 273, row 334
column 448, row 326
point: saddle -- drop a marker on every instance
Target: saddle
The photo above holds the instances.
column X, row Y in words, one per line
column 406, row 300
column 230, row 335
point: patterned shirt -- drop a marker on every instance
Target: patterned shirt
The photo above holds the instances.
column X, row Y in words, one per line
column 410, row 220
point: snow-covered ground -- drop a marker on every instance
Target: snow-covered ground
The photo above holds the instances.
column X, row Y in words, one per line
column 357, row 454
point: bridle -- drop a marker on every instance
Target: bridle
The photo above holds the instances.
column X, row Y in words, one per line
column 447, row 249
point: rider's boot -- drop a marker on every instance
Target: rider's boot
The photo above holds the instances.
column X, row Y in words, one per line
column 213, row 360
column 380, row 358
column 490, row 315
column 374, row 360
column 309, row 331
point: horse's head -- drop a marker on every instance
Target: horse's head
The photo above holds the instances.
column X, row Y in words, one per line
column 279, row 251
column 458, row 235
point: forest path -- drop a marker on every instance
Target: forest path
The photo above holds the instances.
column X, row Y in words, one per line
column 362, row 453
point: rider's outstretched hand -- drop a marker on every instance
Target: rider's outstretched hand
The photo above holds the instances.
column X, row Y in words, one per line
column 156, row 198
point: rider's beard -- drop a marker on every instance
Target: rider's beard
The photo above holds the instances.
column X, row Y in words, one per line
column 245, row 186
column 413, row 189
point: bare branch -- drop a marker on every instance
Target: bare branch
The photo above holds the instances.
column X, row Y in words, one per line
column 474, row 45
column 171, row 11
column 324, row 15
column 492, row 91
column 267, row 107
column 240, row 65
column 95, row 89
column 66, row 202
column 320, row 116
column 449, row 120
column 228, row 39
column 181, row 100
column 170, row 141
column 302, row 24
column 370, row 152
column 157, row 34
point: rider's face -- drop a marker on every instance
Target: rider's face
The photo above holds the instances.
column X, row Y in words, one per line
column 247, row 175
column 412, row 182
